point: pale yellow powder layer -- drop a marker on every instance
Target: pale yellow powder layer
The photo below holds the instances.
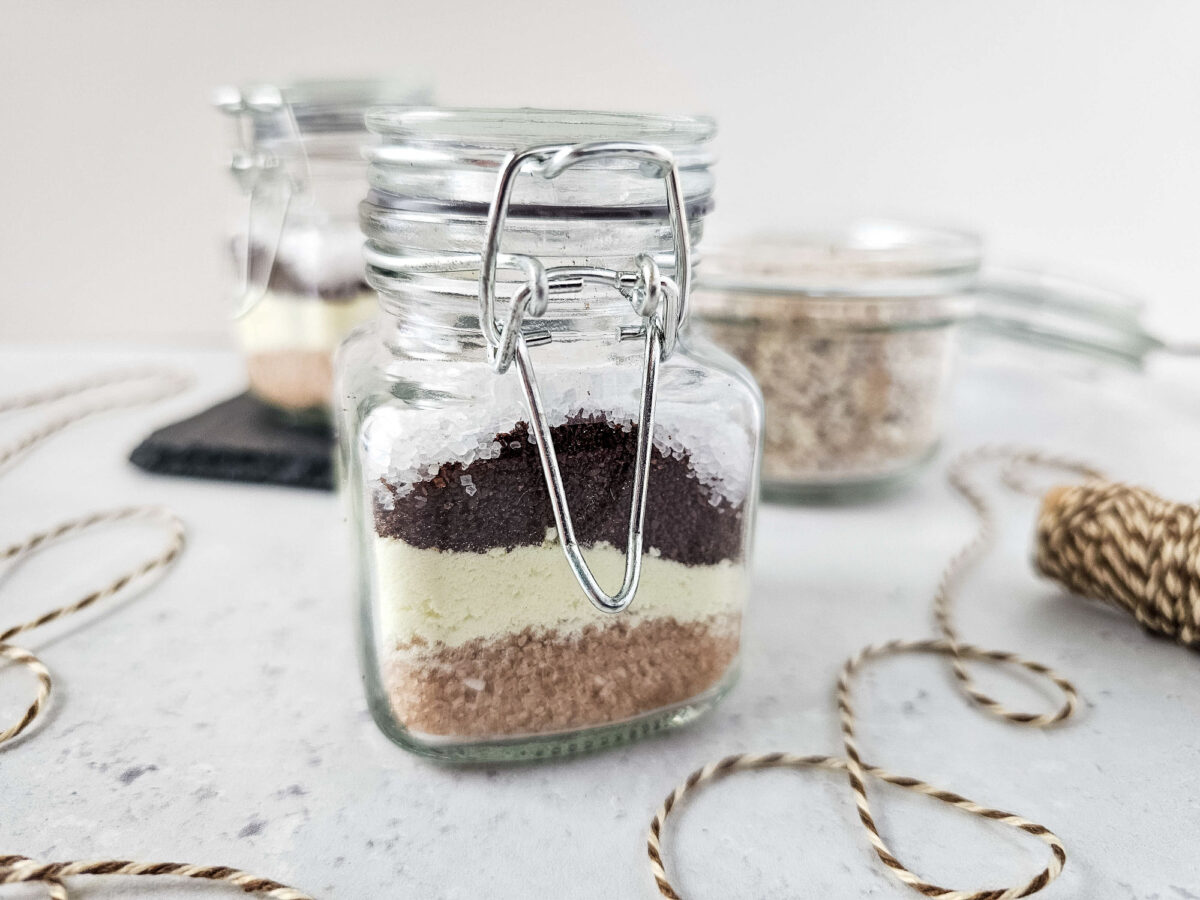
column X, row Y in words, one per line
column 454, row 597
column 280, row 322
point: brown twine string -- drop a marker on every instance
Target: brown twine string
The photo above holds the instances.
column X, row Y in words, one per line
column 1107, row 541
column 138, row 387
column 1014, row 461
column 40, row 540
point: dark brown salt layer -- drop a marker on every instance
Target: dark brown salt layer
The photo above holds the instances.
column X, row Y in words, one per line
column 531, row 683
column 510, row 506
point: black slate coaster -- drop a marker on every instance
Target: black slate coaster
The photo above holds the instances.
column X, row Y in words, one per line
column 240, row 440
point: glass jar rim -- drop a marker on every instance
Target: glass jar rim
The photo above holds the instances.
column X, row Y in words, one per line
column 868, row 258
column 314, row 108
column 519, row 127
column 433, row 175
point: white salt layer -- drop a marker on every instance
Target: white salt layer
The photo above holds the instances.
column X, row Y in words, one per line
column 406, row 443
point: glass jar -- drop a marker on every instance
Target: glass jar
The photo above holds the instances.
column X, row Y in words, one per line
column 851, row 335
column 298, row 159
column 542, row 572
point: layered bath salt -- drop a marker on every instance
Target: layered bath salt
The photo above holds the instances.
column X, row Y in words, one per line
column 315, row 295
column 851, row 335
column 481, row 642
column 484, row 629
column 849, row 392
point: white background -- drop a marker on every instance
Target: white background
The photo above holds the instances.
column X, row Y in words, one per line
column 1066, row 132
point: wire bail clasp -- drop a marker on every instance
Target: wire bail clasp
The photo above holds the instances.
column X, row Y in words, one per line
column 661, row 301
column 269, row 184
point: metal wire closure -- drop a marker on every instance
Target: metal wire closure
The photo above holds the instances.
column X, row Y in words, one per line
column 550, row 161
column 660, row 301
column 268, row 185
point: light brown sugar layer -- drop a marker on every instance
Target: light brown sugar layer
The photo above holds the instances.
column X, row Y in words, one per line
column 291, row 379
column 541, row 682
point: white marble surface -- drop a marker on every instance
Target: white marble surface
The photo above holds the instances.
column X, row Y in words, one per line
column 218, row 718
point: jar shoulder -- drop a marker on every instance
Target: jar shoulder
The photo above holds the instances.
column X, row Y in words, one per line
column 370, row 365
column 396, row 401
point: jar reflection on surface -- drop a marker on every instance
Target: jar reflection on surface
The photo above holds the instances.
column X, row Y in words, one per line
column 852, row 338
column 478, row 642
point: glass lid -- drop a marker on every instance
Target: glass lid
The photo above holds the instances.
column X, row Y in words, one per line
column 866, row 258
column 304, row 109
column 1058, row 312
column 437, row 160
column 506, row 130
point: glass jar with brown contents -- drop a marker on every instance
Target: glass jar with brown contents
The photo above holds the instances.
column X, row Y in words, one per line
column 851, row 335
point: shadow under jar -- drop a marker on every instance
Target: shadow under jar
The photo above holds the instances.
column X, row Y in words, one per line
column 852, row 336
column 298, row 160
column 491, row 478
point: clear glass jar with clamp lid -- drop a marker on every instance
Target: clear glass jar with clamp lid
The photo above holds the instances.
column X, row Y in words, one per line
column 298, row 159
column 553, row 480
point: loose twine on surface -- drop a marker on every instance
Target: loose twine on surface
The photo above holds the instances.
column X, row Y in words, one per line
column 115, row 390
column 1111, row 542
column 1103, row 540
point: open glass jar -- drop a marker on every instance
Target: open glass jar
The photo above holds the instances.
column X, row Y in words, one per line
column 553, row 480
column 298, row 158
column 851, row 335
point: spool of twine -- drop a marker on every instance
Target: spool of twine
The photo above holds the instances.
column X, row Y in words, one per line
column 1127, row 547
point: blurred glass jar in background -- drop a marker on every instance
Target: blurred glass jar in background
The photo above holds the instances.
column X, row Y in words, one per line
column 298, row 158
column 851, row 335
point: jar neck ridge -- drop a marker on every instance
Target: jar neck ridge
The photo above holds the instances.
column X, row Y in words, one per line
column 450, row 324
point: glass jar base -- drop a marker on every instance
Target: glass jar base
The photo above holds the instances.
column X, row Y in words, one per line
column 849, row 489
column 316, row 418
column 532, row 748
